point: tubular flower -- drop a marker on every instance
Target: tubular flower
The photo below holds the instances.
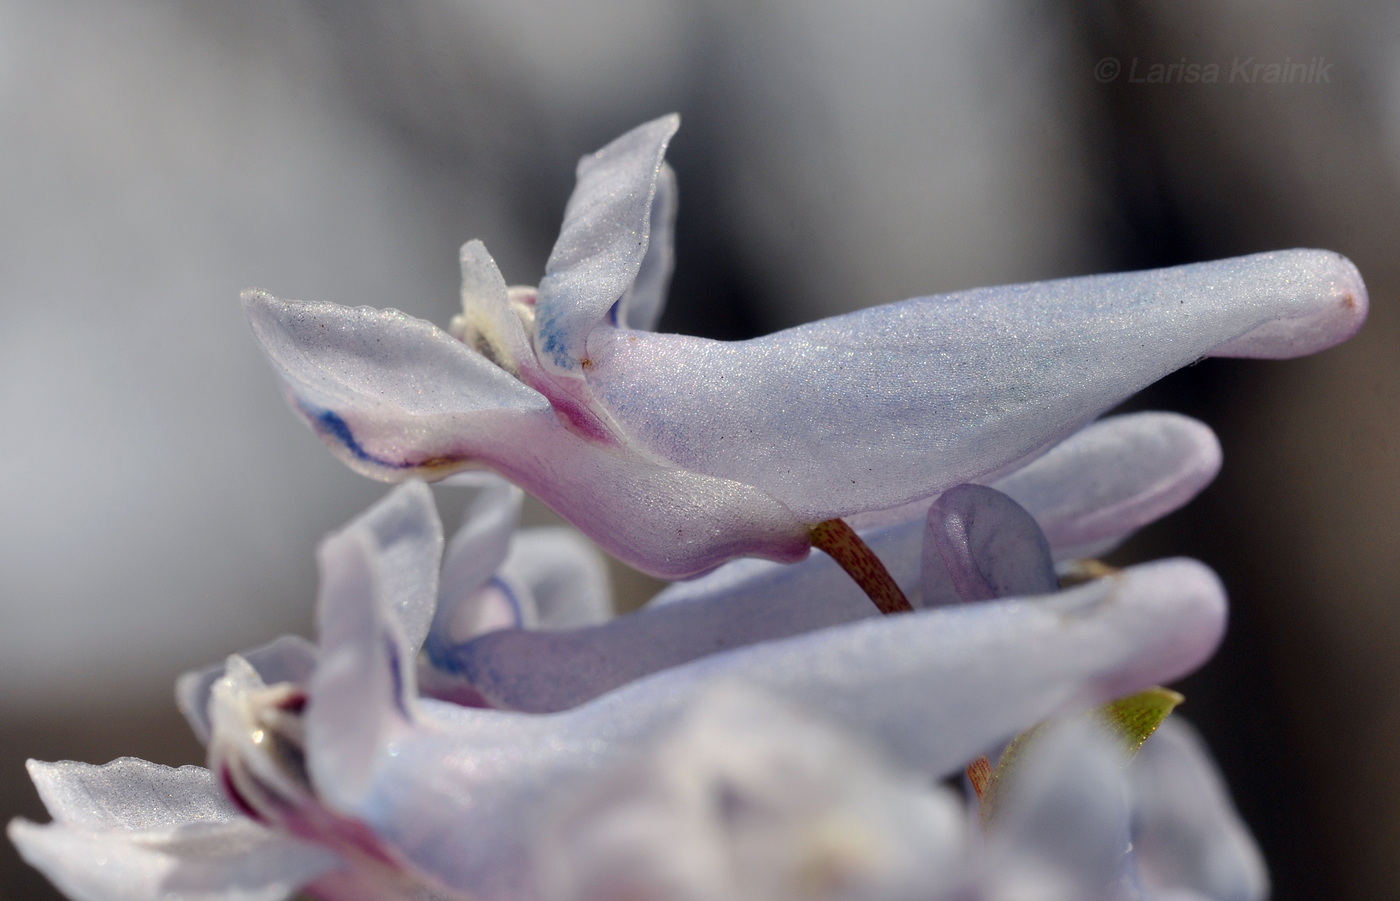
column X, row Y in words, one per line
column 1086, row 494
column 676, row 453
column 330, row 772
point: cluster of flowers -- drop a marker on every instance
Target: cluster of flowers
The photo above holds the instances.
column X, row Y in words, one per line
column 473, row 722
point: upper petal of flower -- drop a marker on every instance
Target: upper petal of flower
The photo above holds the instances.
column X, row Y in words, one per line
column 734, row 449
column 641, row 306
column 602, row 245
column 886, row 405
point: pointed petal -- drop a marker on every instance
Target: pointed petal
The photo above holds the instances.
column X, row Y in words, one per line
column 406, row 536
column 393, row 396
column 602, row 243
column 362, row 690
column 463, row 792
column 488, row 324
column 980, row 544
column 883, row 406
column 235, row 861
column 1113, row 477
column 1188, row 834
column 133, row 830
column 129, row 794
column 289, row 658
column 640, row 308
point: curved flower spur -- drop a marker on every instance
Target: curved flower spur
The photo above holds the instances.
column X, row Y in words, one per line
column 1085, row 495
column 676, row 453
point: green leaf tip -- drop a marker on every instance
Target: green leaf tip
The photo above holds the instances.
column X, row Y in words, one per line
column 1131, row 720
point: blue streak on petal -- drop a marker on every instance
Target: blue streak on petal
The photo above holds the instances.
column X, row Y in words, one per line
column 330, row 424
column 396, row 669
column 448, row 656
column 552, row 342
column 498, row 584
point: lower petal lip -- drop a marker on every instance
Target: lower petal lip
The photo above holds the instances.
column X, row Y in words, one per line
column 332, row 427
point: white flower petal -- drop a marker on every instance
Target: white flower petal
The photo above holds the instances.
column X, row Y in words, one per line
column 886, row 405
column 129, row 795
column 641, row 306
column 408, row 548
column 396, row 398
column 133, row 830
column 236, row 861
column 477, row 550
column 602, row 243
column 364, row 684
column 487, row 317
column 389, row 393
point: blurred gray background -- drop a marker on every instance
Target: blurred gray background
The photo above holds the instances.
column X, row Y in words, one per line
column 160, row 505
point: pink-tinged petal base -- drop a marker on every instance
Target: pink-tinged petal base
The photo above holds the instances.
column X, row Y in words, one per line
column 395, row 398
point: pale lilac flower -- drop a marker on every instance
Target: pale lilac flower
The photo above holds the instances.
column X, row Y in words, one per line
column 676, row 453
column 350, row 783
column 1086, row 494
